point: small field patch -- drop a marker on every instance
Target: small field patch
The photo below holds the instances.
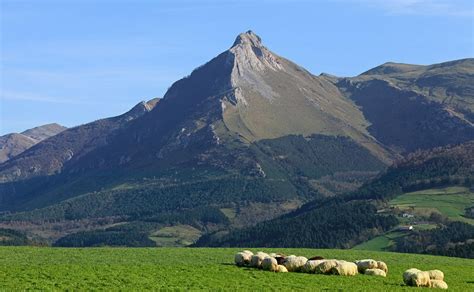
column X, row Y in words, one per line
column 177, row 235
column 450, row 202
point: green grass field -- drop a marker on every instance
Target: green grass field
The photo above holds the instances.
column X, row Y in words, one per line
column 173, row 236
column 380, row 243
column 450, row 202
column 202, row 269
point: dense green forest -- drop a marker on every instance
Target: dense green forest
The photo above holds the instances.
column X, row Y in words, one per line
column 193, row 195
column 155, row 201
column 313, row 156
column 106, row 238
column 455, row 239
column 351, row 218
column 287, row 163
column 341, row 221
column 422, row 170
column 13, row 237
column 336, row 224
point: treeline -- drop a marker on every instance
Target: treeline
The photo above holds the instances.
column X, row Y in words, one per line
column 337, row 224
column 142, row 202
column 105, row 238
column 455, row 239
column 136, row 232
column 422, row 170
column 13, row 237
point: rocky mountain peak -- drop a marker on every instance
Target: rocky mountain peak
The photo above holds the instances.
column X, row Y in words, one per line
column 248, row 38
column 250, row 55
column 141, row 108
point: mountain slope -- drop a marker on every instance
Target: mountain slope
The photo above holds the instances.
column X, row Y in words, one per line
column 414, row 107
column 42, row 132
column 15, row 143
column 49, row 157
column 316, row 224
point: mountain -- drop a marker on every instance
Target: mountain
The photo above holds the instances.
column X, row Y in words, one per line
column 360, row 214
column 15, row 143
column 43, row 132
column 49, row 156
column 414, row 107
column 217, row 122
column 244, row 138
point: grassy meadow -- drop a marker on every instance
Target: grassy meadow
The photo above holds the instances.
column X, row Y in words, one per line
column 450, row 202
column 380, row 243
column 202, row 269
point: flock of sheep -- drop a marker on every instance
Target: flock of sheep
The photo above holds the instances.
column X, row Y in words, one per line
column 318, row 265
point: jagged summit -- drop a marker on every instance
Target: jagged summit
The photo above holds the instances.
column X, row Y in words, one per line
column 250, row 55
column 248, row 37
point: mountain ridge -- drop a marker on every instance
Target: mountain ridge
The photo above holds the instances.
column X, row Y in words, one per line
column 49, row 156
column 14, row 144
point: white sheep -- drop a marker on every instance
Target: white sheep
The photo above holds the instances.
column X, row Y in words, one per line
column 270, row 264
column 436, row 275
column 417, row 278
column 257, row 259
column 281, row 269
column 440, row 284
column 243, row 258
column 363, row 265
column 375, row 272
column 325, row 266
column 382, row 266
column 294, row 263
column 310, row 266
column 344, row 268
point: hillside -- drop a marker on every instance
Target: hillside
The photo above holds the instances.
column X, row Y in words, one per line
column 203, row 269
column 13, row 144
column 365, row 213
column 414, row 107
column 450, row 202
column 50, row 156
column 43, row 132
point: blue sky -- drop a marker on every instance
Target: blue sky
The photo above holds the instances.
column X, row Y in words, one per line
column 75, row 61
